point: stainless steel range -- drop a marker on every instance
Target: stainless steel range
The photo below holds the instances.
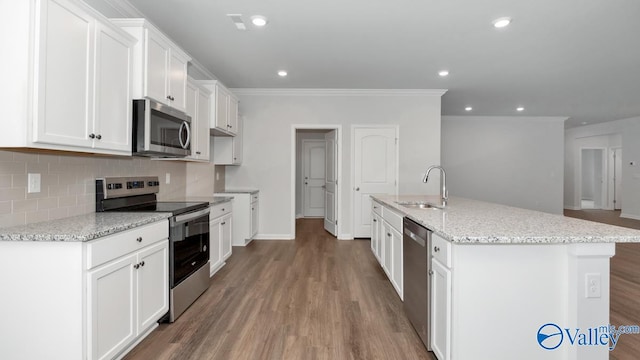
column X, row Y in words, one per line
column 188, row 233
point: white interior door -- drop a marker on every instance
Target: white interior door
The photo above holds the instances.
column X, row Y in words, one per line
column 314, row 177
column 617, row 179
column 375, row 171
column 330, row 182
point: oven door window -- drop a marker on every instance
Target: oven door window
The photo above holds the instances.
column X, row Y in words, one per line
column 190, row 248
column 168, row 131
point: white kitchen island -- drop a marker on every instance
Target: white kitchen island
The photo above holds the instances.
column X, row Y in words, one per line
column 501, row 274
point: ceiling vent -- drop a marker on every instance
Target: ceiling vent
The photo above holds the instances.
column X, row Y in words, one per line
column 237, row 21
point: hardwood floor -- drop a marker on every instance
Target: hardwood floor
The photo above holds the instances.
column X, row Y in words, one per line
column 312, row 298
column 625, row 282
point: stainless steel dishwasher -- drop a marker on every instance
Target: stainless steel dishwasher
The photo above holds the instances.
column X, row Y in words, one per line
column 416, row 242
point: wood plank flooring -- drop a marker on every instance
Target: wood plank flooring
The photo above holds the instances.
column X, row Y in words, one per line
column 311, row 298
column 625, row 282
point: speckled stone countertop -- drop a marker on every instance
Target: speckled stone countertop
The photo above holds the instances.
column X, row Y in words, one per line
column 466, row 221
column 212, row 200
column 80, row 228
column 239, row 191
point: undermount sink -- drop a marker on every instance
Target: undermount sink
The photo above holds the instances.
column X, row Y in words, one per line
column 419, row 205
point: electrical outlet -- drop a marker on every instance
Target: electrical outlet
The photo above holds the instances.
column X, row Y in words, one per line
column 593, row 284
column 167, row 178
column 217, row 176
column 33, row 181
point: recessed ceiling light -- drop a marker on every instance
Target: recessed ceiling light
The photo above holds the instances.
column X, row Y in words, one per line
column 501, row 22
column 443, row 73
column 259, row 20
column 282, row 73
column 520, row 109
column 468, row 108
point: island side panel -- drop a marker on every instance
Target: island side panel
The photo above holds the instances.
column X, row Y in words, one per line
column 586, row 308
column 502, row 294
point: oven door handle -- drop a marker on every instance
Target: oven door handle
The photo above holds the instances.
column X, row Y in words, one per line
column 190, row 216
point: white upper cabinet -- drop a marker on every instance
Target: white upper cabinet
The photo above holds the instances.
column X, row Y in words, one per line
column 69, row 71
column 224, row 115
column 198, row 108
column 160, row 66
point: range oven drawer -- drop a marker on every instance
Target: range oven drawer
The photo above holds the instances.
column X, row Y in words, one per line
column 113, row 246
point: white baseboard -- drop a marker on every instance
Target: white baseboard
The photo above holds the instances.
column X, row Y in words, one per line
column 572, row 208
column 345, row 237
column 215, row 269
column 137, row 341
column 274, row 237
column 299, row 216
column 630, row 216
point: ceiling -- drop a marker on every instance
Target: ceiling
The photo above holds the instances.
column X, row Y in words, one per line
column 574, row 58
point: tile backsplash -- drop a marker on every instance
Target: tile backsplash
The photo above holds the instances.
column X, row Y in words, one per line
column 68, row 183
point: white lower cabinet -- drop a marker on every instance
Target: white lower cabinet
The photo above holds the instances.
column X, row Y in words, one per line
column 220, row 236
column 245, row 215
column 441, row 291
column 386, row 243
column 112, row 302
column 440, row 310
column 128, row 294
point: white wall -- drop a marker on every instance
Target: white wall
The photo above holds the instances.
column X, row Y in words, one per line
column 270, row 115
column 516, row 161
column 620, row 133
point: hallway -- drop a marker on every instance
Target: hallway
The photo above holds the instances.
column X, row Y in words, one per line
column 625, row 281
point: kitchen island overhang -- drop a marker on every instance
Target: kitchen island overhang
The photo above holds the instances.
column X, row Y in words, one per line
column 524, row 284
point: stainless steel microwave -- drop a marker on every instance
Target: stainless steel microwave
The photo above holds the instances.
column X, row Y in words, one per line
column 160, row 130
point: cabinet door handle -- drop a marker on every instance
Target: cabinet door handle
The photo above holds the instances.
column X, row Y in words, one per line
column 389, row 234
column 253, row 208
column 92, row 136
column 222, row 209
column 139, row 239
column 198, row 152
column 430, row 272
column 374, row 220
column 98, row 136
column 223, row 223
column 136, row 266
column 436, row 249
column 170, row 97
column 375, row 207
column 142, row 263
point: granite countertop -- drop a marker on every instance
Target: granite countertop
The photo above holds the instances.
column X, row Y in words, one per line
column 212, row 200
column 239, row 191
column 466, row 221
column 80, row 228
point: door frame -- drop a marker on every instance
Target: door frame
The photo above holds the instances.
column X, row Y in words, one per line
column 605, row 175
column 352, row 197
column 338, row 129
column 611, row 173
column 303, row 163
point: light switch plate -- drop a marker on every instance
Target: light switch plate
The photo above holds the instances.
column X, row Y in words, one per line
column 167, row 178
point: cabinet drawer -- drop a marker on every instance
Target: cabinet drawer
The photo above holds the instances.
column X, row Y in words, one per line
column 376, row 207
column 441, row 250
column 393, row 218
column 113, row 246
column 219, row 210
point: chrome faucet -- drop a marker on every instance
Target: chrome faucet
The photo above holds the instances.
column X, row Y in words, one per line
column 444, row 194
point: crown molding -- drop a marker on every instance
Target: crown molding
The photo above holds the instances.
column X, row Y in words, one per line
column 125, row 8
column 198, row 67
column 337, row 92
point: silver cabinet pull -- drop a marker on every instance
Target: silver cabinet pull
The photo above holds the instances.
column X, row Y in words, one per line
column 224, row 223
column 92, row 136
column 98, row 136
column 142, row 263
column 430, row 272
column 358, row 189
column 436, row 249
column 139, row 239
column 136, row 266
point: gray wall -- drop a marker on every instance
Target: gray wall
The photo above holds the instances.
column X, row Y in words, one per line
column 267, row 163
column 516, row 161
